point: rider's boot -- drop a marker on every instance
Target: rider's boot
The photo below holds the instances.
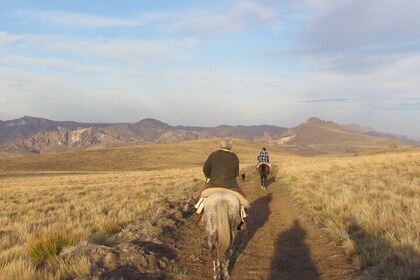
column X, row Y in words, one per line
column 197, row 217
column 243, row 225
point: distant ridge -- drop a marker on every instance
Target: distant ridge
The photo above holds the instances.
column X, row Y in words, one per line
column 315, row 136
column 372, row 132
column 357, row 128
column 28, row 126
column 39, row 135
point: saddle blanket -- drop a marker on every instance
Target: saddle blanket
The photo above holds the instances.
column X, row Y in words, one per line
column 209, row 191
column 202, row 201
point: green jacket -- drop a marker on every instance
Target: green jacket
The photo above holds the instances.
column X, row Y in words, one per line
column 222, row 167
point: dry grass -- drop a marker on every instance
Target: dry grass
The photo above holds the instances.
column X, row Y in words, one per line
column 145, row 157
column 370, row 204
column 83, row 205
column 90, row 196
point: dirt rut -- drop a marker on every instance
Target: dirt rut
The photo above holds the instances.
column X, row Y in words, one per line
column 280, row 242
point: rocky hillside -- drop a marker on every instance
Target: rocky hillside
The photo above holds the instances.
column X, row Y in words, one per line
column 38, row 135
column 317, row 136
column 317, row 131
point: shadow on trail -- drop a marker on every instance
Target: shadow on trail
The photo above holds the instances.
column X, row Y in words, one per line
column 128, row 272
column 292, row 258
column 270, row 181
column 259, row 212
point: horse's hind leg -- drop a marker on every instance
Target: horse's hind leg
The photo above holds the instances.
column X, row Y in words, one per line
column 225, row 263
column 216, row 262
column 228, row 254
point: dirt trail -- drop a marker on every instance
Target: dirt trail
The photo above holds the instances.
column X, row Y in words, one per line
column 280, row 243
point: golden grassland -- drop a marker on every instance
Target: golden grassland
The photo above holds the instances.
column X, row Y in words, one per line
column 145, row 157
column 369, row 204
column 87, row 196
column 84, row 206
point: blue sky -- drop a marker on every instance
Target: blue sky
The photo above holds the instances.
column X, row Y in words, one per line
column 215, row 62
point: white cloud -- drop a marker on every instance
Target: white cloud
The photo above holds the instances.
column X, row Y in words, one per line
column 23, row 60
column 142, row 53
column 361, row 36
column 8, row 39
column 242, row 16
column 71, row 19
column 358, row 24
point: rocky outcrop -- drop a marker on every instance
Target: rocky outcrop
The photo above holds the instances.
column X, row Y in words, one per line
column 285, row 140
column 63, row 139
column 144, row 249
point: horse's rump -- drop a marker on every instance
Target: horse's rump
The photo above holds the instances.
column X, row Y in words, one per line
column 232, row 202
column 263, row 168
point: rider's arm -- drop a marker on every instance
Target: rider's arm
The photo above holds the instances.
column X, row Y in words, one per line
column 207, row 167
column 236, row 166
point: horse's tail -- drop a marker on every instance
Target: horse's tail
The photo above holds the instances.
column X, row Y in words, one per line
column 223, row 228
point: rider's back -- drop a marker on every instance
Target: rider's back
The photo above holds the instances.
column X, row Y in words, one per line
column 222, row 167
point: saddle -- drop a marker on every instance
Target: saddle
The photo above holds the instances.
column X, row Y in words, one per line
column 261, row 163
column 209, row 191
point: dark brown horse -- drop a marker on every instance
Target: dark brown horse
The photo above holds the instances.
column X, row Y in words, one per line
column 263, row 170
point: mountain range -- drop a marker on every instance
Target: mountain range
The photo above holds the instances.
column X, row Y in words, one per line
column 315, row 136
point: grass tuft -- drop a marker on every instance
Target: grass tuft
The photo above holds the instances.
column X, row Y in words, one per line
column 48, row 246
column 69, row 269
column 111, row 227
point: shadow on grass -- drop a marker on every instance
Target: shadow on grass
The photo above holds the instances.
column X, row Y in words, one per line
column 378, row 259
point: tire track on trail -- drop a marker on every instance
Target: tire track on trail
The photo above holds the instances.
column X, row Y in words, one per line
column 280, row 242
